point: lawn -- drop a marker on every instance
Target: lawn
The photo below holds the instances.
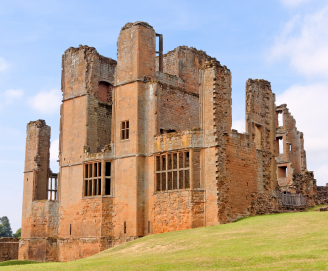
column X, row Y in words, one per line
column 294, row 241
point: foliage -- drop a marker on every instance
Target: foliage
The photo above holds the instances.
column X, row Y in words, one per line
column 291, row 241
column 18, row 233
column 8, row 231
column 2, row 230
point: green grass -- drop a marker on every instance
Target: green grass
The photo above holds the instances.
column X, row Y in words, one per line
column 16, row 262
column 294, row 241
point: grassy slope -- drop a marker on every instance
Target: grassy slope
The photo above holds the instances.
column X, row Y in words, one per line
column 296, row 241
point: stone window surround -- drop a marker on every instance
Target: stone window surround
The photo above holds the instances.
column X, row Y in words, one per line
column 181, row 169
column 103, row 176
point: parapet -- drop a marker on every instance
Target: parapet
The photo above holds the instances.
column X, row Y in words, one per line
column 38, row 123
column 129, row 25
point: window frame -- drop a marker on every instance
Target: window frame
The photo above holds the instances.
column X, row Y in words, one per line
column 167, row 171
column 52, row 188
column 125, row 130
column 97, row 181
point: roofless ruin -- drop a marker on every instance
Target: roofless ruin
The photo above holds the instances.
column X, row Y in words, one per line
column 146, row 147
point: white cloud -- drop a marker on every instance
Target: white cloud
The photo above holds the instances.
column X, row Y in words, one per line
column 294, row 3
column 9, row 96
column 307, row 104
column 303, row 42
column 239, row 125
column 3, row 64
column 13, row 94
column 46, row 102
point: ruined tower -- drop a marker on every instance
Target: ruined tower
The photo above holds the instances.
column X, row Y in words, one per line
column 146, row 147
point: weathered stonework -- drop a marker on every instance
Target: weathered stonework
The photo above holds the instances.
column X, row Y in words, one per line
column 145, row 150
column 322, row 192
column 8, row 249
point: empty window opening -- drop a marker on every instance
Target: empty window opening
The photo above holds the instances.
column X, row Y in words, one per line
column 290, row 147
column 105, row 92
column 70, row 229
column 172, row 171
column 281, row 145
column 258, row 136
column 92, row 179
column 52, row 187
column 148, row 226
column 196, row 169
column 108, row 177
column 125, row 130
column 282, row 172
column 168, row 131
column 124, row 227
column 160, row 52
column 280, row 119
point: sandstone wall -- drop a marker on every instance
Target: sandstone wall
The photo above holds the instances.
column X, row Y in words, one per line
column 178, row 210
column 183, row 111
column 8, row 249
column 322, row 192
column 186, row 63
column 244, row 164
column 179, row 110
column 293, row 156
column 36, row 172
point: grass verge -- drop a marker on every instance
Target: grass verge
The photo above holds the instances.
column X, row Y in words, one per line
column 291, row 241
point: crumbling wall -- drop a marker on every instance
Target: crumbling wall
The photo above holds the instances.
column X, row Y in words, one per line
column 43, row 225
column 233, row 175
column 8, row 249
column 306, row 185
column 36, row 171
column 37, row 157
column 244, row 163
column 38, row 249
column 186, row 63
column 178, row 210
column 88, row 79
column 178, row 110
column 322, row 194
column 293, row 156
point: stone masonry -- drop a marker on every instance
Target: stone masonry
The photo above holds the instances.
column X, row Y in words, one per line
column 146, row 147
column 8, row 249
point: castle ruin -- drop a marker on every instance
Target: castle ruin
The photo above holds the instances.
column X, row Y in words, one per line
column 146, row 147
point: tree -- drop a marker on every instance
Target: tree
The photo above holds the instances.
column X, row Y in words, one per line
column 5, row 222
column 18, row 233
column 2, row 230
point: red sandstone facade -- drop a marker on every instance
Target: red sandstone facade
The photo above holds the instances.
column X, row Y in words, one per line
column 8, row 249
column 146, row 147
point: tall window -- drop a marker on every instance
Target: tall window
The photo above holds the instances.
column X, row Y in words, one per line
column 94, row 183
column 92, row 179
column 173, row 171
column 125, row 129
column 52, row 187
column 108, row 178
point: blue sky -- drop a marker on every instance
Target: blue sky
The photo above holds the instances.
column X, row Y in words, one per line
column 282, row 41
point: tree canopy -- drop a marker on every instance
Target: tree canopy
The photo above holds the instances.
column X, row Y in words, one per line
column 18, row 233
column 5, row 229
